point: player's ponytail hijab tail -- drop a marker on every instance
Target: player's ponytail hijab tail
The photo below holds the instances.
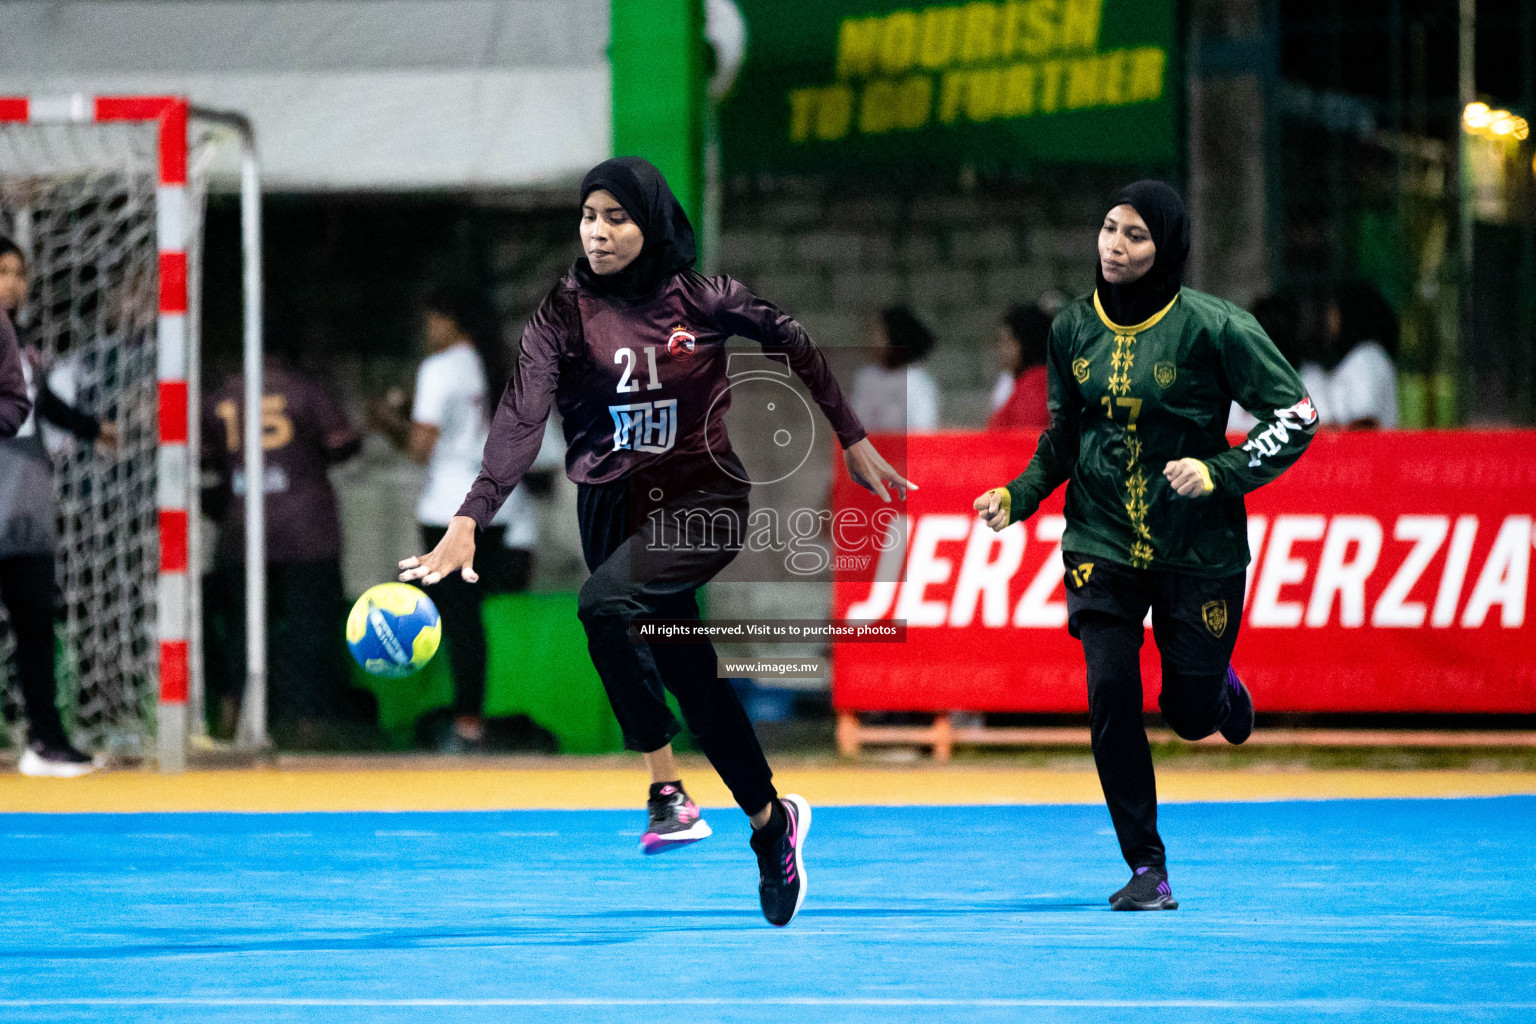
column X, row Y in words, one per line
column 647, row 198
column 1162, row 208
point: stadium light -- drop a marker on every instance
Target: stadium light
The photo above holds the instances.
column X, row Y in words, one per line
column 1480, row 119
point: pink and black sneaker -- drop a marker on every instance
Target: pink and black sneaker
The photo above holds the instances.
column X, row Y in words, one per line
column 675, row 819
column 781, row 882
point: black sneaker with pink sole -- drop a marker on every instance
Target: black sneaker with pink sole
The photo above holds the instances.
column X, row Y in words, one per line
column 782, row 883
column 674, row 820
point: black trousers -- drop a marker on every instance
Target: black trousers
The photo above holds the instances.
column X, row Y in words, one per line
column 459, row 605
column 648, row 558
column 27, row 587
column 307, row 675
column 1194, row 622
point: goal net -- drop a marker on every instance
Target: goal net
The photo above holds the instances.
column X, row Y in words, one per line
column 103, row 199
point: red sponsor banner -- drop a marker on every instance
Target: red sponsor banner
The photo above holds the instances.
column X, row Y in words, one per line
column 1391, row 572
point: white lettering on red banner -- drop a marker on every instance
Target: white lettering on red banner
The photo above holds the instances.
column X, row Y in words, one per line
column 1315, row 590
column 1367, row 589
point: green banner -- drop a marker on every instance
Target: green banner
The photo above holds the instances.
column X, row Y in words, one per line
column 657, row 64
column 830, row 85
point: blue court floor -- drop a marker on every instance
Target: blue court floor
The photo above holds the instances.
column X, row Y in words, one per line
column 1397, row 910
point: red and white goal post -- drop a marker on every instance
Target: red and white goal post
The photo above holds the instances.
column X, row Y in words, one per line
column 106, row 196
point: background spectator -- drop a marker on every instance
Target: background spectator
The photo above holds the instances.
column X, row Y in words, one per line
column 457, row 387
column 1362, row 330
column 29, row 535
column 304, row 433
column 1019, row 398
column 898, row 392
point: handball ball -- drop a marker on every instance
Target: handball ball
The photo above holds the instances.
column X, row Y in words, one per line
column 393, row 630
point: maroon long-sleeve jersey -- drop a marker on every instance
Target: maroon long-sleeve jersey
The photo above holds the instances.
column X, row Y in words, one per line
column 14, row 403
column 303, row 432
column 638, row 385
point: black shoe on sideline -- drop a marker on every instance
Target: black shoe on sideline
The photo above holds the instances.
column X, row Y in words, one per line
column 54, row 761
column 1148, row 889
column 1239, row 724
column 781, row 883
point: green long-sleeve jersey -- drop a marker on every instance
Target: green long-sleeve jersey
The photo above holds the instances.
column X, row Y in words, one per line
column 1126, row 400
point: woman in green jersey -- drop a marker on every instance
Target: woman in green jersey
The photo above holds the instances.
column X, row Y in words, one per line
column 1141, row 377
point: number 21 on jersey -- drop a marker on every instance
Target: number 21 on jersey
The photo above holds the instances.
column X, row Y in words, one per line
column 642, row 426
column 628, row 382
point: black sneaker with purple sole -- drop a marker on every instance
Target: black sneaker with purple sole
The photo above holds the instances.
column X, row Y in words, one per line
column 1148, row 889
column 1239, row 724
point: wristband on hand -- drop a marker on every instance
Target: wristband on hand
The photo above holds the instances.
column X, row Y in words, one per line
column 1205, row 476
column 1004, row 500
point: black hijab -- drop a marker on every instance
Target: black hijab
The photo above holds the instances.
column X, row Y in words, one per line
column 1168, row 223
column 646, row 197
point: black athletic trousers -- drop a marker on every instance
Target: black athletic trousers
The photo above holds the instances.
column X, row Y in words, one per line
column 458, row 603
column 307, row 663
column 26, row 585
column 1194, row 621
column 648, row 560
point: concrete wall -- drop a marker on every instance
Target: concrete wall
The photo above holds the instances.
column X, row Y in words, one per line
column 834, row 255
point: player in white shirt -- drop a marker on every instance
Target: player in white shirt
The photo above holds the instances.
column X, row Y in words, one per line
column 1363, row 386
column 457, row 386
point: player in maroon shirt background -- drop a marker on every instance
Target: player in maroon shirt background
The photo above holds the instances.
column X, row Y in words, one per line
column 29, row 517
column 14, row 403
column 304, row 433
column 630, row 346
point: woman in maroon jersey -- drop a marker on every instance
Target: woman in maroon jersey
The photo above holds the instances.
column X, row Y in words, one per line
column 29, row 534
column 630, row 346
column 15, row 406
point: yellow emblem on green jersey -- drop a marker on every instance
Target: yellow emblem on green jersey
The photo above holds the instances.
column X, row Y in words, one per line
column 1080, row 370
column 1164, row 374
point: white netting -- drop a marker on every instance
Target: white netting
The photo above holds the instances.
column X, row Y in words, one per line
column 80, row 200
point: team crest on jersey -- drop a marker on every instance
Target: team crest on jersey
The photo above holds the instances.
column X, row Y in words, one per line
column 1215, row 615
column 681, row 343
column 1080, row 370
column 1302, row 414
column 1164, row 374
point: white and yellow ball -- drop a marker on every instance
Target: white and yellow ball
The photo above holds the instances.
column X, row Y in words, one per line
column 393, row 630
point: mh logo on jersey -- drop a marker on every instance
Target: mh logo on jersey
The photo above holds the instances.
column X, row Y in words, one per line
column 645, row 426
column 681, row 343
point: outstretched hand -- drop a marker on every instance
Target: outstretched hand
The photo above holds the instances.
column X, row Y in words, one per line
column 456, row 551
column 868, row 469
